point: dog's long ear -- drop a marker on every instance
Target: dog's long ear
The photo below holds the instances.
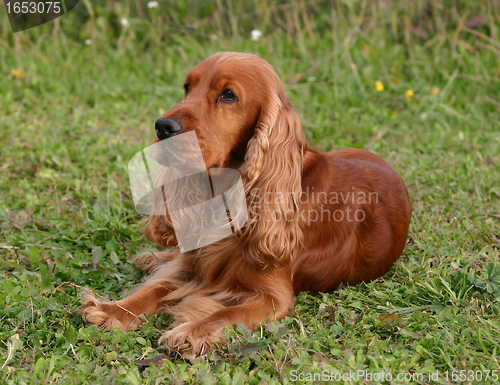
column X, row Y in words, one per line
column 272, row 176
column 158, row 227
column 159, row 230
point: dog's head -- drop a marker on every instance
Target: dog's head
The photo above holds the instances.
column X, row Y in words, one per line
column 225, row 97
column 237, row 106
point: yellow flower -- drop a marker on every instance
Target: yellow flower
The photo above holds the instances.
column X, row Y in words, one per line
column 17, row 73
column 379, row 86
column 435, row 91
column 262, row 4
column 409, row 94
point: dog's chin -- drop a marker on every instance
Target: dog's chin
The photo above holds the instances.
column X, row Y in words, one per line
column 182, row 157
column 185, row 156
column 182, row 163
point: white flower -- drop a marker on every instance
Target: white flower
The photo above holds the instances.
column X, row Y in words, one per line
column 88, row 42
column 152, row 4
column 256, row 34
column 124, row 22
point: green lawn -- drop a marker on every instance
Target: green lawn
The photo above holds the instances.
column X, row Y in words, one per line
column 72, row 115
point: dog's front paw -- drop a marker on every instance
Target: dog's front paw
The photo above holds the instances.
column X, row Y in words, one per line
column 107, row 315
column 193, row 339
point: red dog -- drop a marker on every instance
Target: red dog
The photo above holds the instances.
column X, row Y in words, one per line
column 315, row 221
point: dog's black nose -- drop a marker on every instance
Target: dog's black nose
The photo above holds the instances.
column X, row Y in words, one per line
column 167, row 127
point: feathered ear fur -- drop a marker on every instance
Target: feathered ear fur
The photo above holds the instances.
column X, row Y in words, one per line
column 183, row 193
column 159, row 229
column 272, row 175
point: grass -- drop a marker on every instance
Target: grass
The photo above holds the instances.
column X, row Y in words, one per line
column 74, row 114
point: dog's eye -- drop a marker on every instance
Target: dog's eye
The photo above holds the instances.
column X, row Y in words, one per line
column 228, row 96
column 186, row 88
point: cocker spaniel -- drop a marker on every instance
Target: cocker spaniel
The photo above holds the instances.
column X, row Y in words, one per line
column 315, row 221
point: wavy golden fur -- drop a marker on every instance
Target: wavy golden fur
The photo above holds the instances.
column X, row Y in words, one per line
column 251, row 277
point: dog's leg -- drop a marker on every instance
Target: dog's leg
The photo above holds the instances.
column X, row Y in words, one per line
column 197, row 337
column 148, row 299
column 150, row 260
column 124, row 314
